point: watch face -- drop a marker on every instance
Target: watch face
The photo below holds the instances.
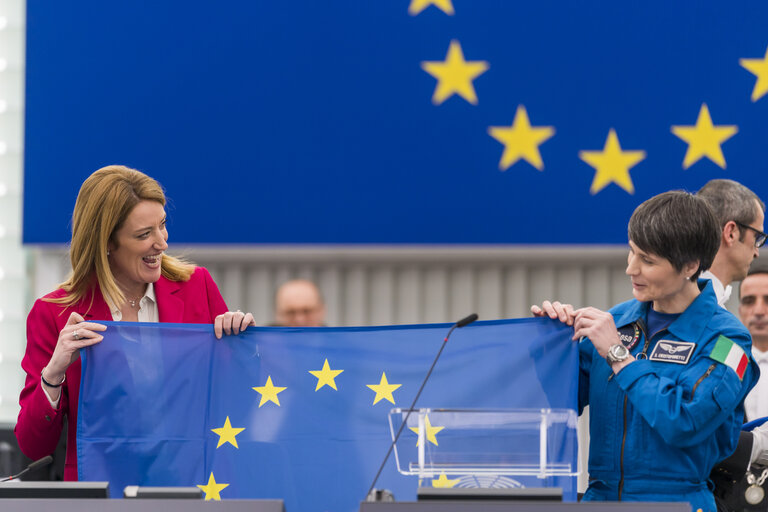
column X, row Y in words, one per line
column 617, row 353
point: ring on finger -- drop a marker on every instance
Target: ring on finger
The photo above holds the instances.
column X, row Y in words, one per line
column 75, row 336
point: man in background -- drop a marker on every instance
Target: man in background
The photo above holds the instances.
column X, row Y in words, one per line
column 740, row 214
column 738, row 477
column 298, row 303
column 753, row 312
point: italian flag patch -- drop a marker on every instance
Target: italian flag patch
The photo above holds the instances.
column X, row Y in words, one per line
column 730, row 354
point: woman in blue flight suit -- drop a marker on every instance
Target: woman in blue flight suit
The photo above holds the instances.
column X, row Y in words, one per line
column 664, row 374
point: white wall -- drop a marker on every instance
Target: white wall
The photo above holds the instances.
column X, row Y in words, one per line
column 13, row 259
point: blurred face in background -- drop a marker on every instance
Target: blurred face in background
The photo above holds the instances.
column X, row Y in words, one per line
column 753, row 308
column 299, row 304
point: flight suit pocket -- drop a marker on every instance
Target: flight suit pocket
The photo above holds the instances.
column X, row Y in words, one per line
column 716, row 393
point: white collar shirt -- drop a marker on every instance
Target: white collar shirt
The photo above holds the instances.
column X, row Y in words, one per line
column 756, row 403
column 148, row 311
column 723, row 293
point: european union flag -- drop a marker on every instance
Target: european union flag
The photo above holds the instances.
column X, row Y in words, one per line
column 301, row 414
column 357, row 121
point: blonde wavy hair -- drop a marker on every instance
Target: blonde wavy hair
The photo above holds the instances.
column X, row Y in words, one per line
column 103, row 203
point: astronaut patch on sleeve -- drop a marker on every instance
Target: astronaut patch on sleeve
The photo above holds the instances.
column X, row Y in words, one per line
column 668, row 351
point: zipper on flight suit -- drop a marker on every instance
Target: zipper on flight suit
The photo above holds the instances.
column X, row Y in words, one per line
column 621, row 457
column 706, row 374
column 641, row 324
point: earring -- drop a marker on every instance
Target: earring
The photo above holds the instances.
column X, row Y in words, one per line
column 107, row 252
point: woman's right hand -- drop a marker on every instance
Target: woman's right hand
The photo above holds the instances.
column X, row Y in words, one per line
column 76, row 334
column 555, row 311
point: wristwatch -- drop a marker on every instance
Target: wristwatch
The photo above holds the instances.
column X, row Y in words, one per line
column 617, row 353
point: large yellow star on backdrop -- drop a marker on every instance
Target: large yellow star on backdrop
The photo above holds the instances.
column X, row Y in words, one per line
column 227, row 434
column 326, row 376
column 419, row 5
column 759, row 68
column 269, row 392
column 444, row 483
column 212, row 489
column 521, row 140
column 455, row 75
column 612, row 164
column 704, row 139
column 383, row 389
column 430, row 431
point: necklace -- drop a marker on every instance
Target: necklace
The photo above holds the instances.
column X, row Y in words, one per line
column 132, row 302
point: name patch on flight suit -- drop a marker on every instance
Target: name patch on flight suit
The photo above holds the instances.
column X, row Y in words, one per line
column 672, row 351
column 629, row 335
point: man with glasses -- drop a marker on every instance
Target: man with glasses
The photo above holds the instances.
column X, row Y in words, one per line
column 740, row 214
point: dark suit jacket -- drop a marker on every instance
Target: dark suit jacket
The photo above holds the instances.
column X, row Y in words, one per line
column 197, row 301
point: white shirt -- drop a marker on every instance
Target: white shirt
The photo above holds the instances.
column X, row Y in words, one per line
column 148, row 312
column 759, row 434
column 756, row 403
column 759, row 408
column 723, row 293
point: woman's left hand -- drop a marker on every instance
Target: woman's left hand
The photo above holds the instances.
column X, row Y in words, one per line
column 232, row 322
column 598, row 326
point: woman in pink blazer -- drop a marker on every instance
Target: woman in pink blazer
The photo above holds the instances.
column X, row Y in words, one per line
column 119, row 272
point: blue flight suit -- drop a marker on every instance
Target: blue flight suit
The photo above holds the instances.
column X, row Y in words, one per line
column 659, row 426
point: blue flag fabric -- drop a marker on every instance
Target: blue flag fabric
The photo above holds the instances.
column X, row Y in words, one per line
column 300, row 414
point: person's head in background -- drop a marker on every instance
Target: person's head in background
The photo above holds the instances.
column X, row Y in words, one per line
column 753, row 306
column 740, row 214
column 298, row 303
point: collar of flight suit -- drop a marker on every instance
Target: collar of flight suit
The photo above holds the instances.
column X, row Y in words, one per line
column 690, row 325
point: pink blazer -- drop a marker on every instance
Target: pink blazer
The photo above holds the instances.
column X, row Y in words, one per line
column 197, row 301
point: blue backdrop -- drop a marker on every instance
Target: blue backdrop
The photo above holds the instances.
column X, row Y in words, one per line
column 348, row 121
column 301, row 414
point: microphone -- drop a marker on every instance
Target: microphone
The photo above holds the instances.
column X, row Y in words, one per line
column 39, row 463
column 372, row 493
column 466, row 321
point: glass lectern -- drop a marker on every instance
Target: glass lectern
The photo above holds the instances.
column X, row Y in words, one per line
column 487, row 448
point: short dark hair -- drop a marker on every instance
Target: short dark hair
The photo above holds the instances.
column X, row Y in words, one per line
column 677, row 226
column 756, row 268
column 730, row 200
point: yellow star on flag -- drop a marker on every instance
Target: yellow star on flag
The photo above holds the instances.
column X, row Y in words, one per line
column 227, row 434
column 212, row 489
column 521, row 140
column 455, row 75
column 383, row 389
column 759, row 68
column 704, row 139
column 269, row 392
column 430, row 431
column 419, row 5
column 444, row 483
column 326, row 376
column 612, row 164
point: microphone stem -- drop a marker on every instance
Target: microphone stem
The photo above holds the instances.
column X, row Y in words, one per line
column 410, row 409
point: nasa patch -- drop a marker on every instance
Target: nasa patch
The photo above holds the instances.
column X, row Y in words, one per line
column 629, row 335
column 672, row 351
